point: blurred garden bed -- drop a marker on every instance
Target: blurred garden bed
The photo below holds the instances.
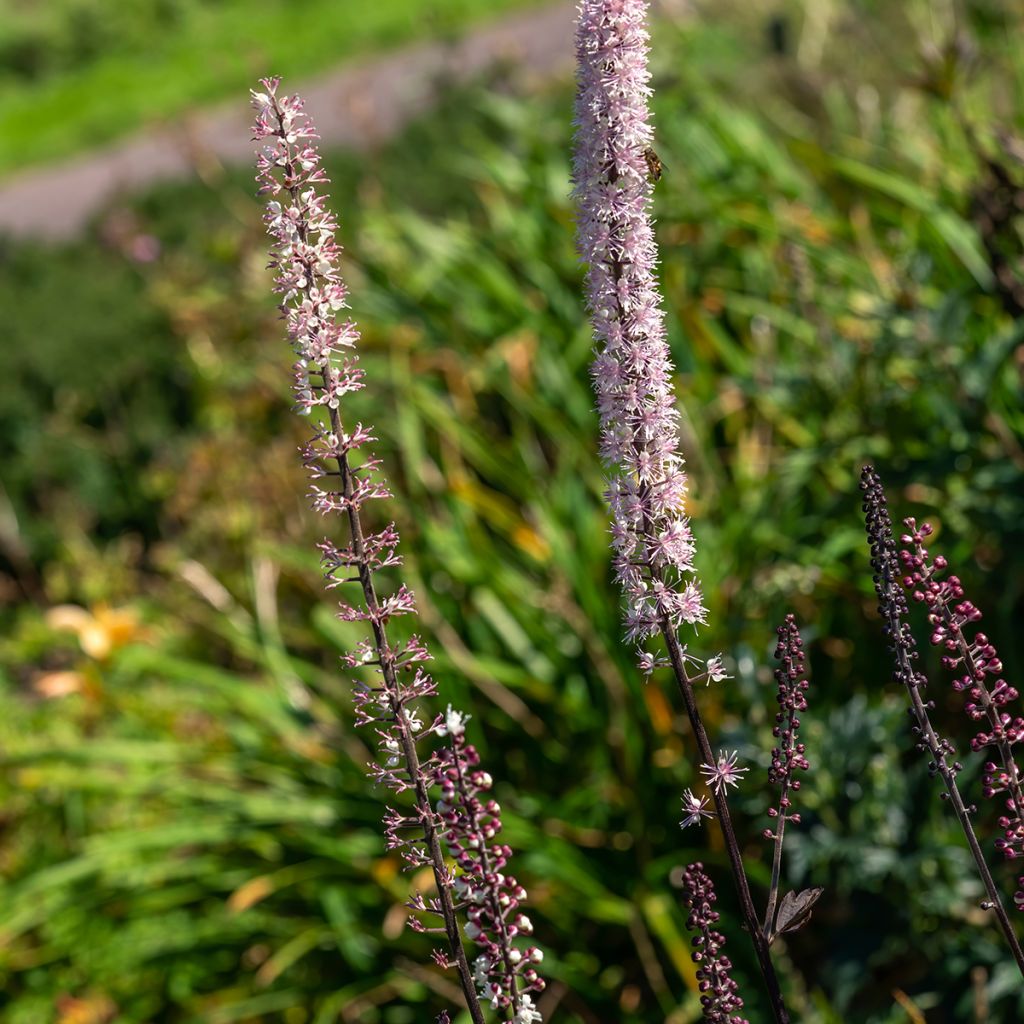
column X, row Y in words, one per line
column 187, row 833
column 77, row 73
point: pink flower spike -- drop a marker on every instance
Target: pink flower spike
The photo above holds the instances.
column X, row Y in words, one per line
column 652, row 544
column 305, row 254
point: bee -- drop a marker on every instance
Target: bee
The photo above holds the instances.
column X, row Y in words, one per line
column 655, row 168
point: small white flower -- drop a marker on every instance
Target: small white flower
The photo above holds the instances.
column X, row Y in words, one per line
column 688, row 658
column 695, row 808
column 527, row 1013
column 481, row 971
column 454, row 723
column 649, row 662
column 724, row 773
column 715, row 669
column 390, row 744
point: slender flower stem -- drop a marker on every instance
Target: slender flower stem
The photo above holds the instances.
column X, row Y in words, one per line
column 305, row 255
column 950, row 612
column 962, row 812
column 757, row 937
column 652, row 542
column 892, row 606
column 386, row 655
column 773, row 889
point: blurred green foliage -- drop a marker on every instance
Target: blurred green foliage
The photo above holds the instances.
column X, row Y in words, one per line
column 187, row 833
column 78, row 73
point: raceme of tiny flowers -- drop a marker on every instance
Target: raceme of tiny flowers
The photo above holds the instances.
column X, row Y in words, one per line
column 719, row 999
column 305, row 256
column 505, row 974
column 652, row 543
column 788, row 756
column 892, row 606
column 724, row 772
column 977, row 669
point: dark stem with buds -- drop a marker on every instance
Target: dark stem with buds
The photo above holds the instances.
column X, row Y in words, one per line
column 892, row 606
column 739, row 874
column 410, row 755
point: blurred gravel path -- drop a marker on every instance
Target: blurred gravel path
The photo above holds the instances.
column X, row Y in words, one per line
column 357, row 107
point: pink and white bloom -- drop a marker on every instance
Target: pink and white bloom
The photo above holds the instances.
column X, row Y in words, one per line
column 695, row 808
column 305, row 255
column 725, row 772
column 652, row 542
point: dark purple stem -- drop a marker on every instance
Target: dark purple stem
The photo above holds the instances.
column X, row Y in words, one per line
column 739, row 874
column 409, row 752
column 773, row 889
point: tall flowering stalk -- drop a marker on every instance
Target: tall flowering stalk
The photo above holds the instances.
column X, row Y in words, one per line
column 305, row 256
column 652, row 543
column 946, row 623
column 632, row 371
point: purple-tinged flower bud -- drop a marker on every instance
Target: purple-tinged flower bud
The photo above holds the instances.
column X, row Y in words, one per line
column 503, row 972
column 788, row 756
column 719, row 999
column 952, row 616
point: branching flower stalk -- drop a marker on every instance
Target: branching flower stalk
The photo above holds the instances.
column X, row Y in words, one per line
column 892, row 605
column 305, row 256
column 950, row 613
column 652, row 542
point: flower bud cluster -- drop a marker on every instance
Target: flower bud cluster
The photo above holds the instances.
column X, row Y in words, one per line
column 470, row 818
column 789, row 755
column 892, row 606
column 977, row 673
column 652, row 543
column 718, row 997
